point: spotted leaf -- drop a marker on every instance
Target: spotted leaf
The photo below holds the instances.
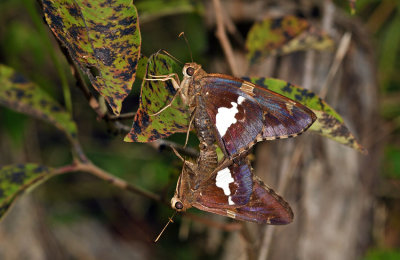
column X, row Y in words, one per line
column 329, row 123
column 282, row 36
column 154, row 96
column 103, row 38
column 19, row 94
column 16, row 179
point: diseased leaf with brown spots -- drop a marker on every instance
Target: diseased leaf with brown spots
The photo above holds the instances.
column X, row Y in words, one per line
column 154, row 96
column 19, row 94
column 16, row 179
column 329, row 123
column 103, row 37
column 282, row 36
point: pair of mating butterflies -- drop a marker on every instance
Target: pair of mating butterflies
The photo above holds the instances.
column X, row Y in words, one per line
column 241, row 114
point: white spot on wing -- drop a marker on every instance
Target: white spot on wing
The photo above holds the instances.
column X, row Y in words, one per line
column 230, row 202
column 223, row 179
column 225, row 118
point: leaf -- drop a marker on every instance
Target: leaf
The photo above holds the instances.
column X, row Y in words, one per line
column 103, row 37
column 352, row 4
column 328, row 123
column 282, row 36
column 154, row 96
column 19, row 94
column 151, row 10
column 16, row 179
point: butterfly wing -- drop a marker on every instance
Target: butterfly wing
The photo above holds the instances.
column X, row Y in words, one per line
column 265, row 206
column 227, row 188
column 244, row 113
column 249, row 198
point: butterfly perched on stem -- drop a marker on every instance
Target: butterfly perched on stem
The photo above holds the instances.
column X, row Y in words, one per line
column 233, row 191
column 240, row 112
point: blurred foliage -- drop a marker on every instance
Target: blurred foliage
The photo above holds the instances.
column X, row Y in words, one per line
column 379, row 254
column 391, row 163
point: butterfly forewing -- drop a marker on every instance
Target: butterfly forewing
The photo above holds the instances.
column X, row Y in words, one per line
column 244, row 113
column 283, row 117
column 237, row 117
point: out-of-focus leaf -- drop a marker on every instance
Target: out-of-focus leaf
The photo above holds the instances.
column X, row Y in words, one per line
column 23, row 96
column 103, row 37
column 352, row 4
column 150, row 10
column 391, row 165
column 282, row 36
column 16, row 179
column 390, row 46
column 380, row 254
column 328, row 123
column 154, row 96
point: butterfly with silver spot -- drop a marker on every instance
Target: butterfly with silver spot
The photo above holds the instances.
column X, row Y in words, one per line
column 241, row 113
column 231, row 191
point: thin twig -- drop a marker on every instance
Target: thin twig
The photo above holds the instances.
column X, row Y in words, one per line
column 250, row 244
column 339, row 56
column 100, row 173
column 223, row 38
column 161, row 143
column 81, row 84
column 130, row 115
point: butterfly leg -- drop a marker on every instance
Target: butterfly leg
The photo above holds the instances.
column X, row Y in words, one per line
column 187, row 163
column 177, row 153
column 168, row 105
column 188, row 131
column 173, row 77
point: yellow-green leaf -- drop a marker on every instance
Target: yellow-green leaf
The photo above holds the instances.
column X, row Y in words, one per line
column 283, row 35
column 19, row 94
column 16, row 179
column 103, row 37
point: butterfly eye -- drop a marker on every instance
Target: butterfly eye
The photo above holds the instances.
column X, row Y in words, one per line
column 178, row 205
column 190, row 71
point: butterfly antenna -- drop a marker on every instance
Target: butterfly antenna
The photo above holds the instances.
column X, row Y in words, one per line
column 182, row 34
column 166, row 225
column 170, row 55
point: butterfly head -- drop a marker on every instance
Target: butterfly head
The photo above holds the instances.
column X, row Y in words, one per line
column 177, row 204
column 190, row 69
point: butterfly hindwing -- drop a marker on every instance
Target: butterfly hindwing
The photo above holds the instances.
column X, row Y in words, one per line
column 265, row 206
column 244, row 113
column 249, row 199
column 227, row 188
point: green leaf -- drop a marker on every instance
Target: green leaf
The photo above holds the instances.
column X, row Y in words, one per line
column 23, row 96
column 16, row 179
column 283, row 35
column 154, row 96
column 328, row 123
column 103, row 37
column 153, row 9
